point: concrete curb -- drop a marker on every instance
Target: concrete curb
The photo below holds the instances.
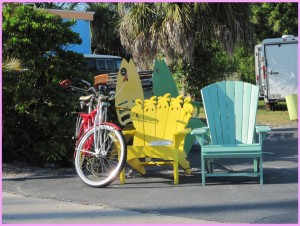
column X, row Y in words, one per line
column 22, row 209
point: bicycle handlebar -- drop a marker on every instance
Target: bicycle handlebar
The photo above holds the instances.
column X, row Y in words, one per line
column 85, row 82
column 68, row 84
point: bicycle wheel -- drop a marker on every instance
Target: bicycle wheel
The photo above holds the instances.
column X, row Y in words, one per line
column 100, row 155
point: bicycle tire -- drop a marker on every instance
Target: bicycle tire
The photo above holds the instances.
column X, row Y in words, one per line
column 99, row 167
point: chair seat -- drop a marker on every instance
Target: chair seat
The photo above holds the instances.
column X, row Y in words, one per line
column 230, row 151
column 161, row 143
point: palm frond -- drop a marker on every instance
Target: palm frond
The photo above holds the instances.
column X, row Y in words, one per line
column 12, row 64
column 173, row 28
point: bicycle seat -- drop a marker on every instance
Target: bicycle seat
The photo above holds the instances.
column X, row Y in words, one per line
column 86, row 98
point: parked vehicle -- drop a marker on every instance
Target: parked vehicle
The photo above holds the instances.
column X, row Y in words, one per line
column 259, row 70
column 102, row 64
column 146, row 78
column 107, row 67
column 276, row 68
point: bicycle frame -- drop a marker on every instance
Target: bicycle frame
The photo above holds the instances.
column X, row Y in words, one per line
column 96, row 117
column 87, row 121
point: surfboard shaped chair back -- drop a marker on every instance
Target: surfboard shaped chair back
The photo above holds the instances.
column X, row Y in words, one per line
column 230, row 109
column 128, row 89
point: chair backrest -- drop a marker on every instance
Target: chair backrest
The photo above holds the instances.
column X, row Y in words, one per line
column 162, row 79
column 230, row 109
column 128, row 89
column 157, row 119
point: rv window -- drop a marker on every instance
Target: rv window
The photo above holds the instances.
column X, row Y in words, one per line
column 110, row 65
column 101, row 65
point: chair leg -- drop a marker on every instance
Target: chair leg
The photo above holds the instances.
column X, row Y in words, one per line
column 122, row 176
column 256, row 165
column 203, row 170
column 261, row 171
column 175, row 169
column 184, row 164
column 186, row 168
column 209, row 165
column 136, row 164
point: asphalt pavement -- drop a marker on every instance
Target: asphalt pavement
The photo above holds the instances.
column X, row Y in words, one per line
column 48, row 195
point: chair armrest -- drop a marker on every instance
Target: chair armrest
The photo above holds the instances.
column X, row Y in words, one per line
column 128, row 134
column 179, row 136
column 182, row 132
column 199, row 133
column 262, row 131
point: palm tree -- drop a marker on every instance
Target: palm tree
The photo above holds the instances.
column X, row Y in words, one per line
column 173, row 29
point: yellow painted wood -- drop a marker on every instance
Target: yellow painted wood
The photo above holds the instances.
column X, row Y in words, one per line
column 137, row 118
column 162, row 112
column 122, row 176
column 163, row 82
column 149, row 120
column 173, row 116
column 161, row 122
column 128, row 89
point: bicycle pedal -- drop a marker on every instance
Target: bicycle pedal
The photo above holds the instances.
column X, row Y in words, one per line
column 129, row 174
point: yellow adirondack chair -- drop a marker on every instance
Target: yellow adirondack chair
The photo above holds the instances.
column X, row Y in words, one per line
column 230, row 109
column 163, row 82
column 160, row 128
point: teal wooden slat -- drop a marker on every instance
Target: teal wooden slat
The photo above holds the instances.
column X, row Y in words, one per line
column 232, row 155
column 224, row 131
column 238, row 110
column 230, row 98
column 216, row 113
column 252, row 115
column 250, row 174
column 246, row 111
column 226, row 148
column 207, row 102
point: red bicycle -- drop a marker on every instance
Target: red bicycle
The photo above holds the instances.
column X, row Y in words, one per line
column 100, row 149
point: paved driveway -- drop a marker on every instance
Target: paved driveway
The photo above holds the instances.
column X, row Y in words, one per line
column 223, row 200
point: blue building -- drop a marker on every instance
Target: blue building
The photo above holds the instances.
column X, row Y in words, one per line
column 82, row 27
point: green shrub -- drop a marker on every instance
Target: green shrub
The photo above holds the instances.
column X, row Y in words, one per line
column 37, row 113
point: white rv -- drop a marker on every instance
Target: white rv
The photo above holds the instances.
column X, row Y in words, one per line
column 276, row 68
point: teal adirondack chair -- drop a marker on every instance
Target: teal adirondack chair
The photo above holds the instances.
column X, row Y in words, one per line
column 230, row 109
